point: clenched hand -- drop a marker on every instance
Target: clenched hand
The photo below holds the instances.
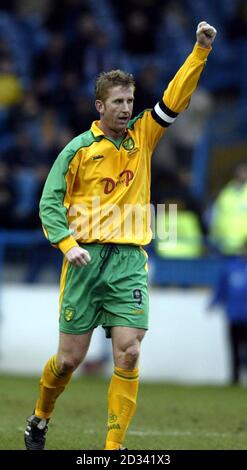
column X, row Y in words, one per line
column 205, row 34
column 78, row 256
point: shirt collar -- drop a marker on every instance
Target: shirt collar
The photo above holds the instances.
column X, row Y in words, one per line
column 96, row 129
column 97, row 132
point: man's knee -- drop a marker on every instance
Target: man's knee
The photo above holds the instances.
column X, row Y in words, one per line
column 68, row 363
column 131, row 356
column 126, row 347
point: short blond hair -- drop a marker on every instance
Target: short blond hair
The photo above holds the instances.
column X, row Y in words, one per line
column 107, row 80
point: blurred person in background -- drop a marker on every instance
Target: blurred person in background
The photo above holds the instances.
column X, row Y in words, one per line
column 25, row 162
column 236, row 26
column 104, row 274
column 137, row 18
column 189, row 243
column 228, row 227
column 230, row 292
column 188, row 130
column 6, row 195
column 11, row 89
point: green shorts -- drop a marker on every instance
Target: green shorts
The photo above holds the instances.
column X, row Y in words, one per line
column 110, row 291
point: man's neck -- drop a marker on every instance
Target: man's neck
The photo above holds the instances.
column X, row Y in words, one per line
column 110, row 132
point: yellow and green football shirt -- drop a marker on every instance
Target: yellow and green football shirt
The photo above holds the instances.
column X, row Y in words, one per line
column 98, row 190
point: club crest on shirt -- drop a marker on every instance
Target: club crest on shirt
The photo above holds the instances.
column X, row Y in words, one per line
column 129, row 144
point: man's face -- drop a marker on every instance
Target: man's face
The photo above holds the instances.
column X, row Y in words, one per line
column 116, row 110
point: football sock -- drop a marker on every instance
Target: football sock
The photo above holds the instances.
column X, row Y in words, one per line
column 52, row 384
column 122, row 396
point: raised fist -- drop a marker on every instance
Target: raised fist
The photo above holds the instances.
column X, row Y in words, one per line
column 205, row 34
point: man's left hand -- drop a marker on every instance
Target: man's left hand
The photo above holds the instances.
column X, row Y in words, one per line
column 205, row 34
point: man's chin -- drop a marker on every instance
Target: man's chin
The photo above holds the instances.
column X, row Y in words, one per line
column 119, row 129
column 122, row 126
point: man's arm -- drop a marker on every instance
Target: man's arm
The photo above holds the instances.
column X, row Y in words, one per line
column 177, row 96
column 55, row 202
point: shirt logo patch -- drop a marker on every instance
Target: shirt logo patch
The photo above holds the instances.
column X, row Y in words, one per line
column 129, row 144
column 97, row 157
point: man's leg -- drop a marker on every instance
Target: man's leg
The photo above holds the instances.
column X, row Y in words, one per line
column 58, row 370
column 56, row 375
column 123, row 389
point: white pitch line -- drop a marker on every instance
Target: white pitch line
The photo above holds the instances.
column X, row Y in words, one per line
column 170, row 433
column 178, row 433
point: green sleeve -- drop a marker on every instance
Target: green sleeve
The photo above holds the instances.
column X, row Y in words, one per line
column 55, row 199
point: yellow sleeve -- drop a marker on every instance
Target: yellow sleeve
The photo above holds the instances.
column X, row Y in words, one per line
column 66, row 244
column 179, row 91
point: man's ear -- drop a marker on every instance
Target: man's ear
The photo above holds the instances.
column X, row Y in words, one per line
column 99, row 105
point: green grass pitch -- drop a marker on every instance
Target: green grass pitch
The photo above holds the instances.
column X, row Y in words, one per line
column 169, row 417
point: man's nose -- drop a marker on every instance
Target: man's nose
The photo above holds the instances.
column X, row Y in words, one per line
column 125, row 106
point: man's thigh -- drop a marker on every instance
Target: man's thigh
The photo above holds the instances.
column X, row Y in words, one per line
column 126, row 302
column 80, row 298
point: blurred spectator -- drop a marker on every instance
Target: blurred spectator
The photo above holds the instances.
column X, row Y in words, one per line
column 172, row 161
column 83, row 37
column 8, row 5
column 174, row 28
column 228, row 227
column 137, row 19
column 31, row 8
column 6, row 196
column 10, row 85
column 188, row 129
column 231, row 293
column 189, row 236
column 138, row 35
column 85, row 31
column 173, row 188
column 81, row 113
column 48, row 68
column 25, row 162
column 99, row 56
column 27, row 115
column 62, row 15
column 236, row 26
column 53, row 135
column 147, row 87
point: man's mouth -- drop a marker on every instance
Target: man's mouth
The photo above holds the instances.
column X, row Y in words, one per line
column 123, row 119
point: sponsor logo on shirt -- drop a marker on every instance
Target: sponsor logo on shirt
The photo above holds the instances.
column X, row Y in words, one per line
column 124, row 178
